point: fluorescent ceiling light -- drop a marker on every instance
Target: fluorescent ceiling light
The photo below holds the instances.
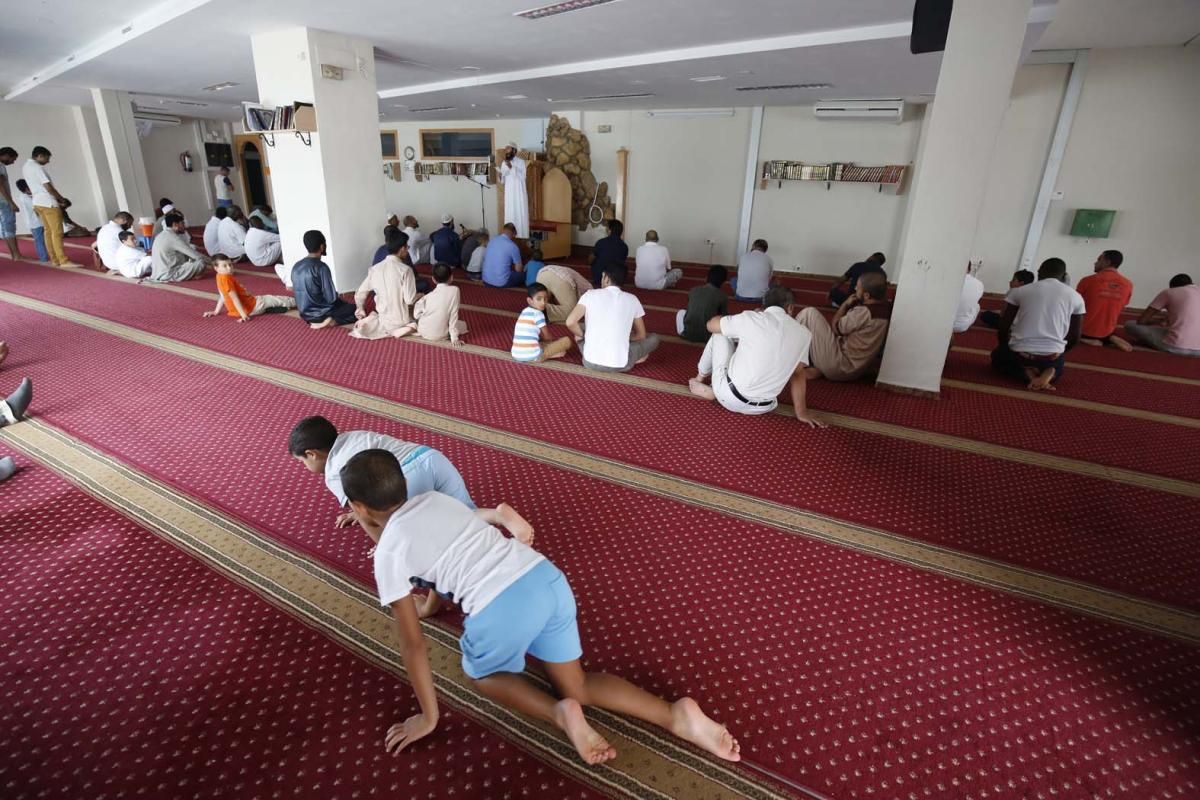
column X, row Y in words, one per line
column 780, row 86
column 470, row 69
column 555, row 9
column 595, row 98
column 516, row 97
column 707, row 78
column 691, row 112
column 216, row 87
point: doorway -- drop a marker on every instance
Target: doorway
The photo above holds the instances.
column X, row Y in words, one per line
column 256, row 174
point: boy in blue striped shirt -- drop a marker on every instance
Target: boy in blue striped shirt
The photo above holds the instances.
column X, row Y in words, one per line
column 531, row 331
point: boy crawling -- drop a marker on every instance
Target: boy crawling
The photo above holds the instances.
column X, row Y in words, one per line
column 516, row 602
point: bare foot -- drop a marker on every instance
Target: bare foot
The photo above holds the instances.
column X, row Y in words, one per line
column 557, row 355
column 1092, row 342
column 592, row 747
column 1120, row 344
column 70, row 264
column 400, row 333
column 693, row 725
column 1042, row 381
column 701, row 389
column 812, row 373
column 325, row 323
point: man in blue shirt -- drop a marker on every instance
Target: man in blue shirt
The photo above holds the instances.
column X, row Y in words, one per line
column 312, row 282
column 610, row 251
column 447, row 246
column 502, row 266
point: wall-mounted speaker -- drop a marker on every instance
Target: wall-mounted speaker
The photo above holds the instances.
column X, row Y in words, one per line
column 931, row 23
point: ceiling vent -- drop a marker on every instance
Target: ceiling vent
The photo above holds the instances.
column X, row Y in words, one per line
column 157, row 119
column 555, row 9
column 784, row 86
column 432, row 108
column 385, row 57
column 882, row 110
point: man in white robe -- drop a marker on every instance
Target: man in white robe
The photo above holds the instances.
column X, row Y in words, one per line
column 129, row 259
column 106, row 238
column 516, row 200
column 212, row 239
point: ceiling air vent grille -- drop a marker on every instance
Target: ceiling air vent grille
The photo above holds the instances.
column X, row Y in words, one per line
column 555, row 9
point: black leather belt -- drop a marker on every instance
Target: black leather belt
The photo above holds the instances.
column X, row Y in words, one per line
column 739, row 396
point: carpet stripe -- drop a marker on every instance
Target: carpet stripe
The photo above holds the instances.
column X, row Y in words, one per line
column 875, row 427
column 652, row 766
column 1062, row 592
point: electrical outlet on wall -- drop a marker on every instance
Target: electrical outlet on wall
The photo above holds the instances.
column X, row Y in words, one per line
column 710, row 242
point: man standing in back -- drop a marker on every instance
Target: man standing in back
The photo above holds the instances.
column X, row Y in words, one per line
column 8, row 204
column 754, row 272
column 654, row 265
column 1105, row 292
column 1040, row 323
column 609, row 326
column 47, row 204
column 223, row 187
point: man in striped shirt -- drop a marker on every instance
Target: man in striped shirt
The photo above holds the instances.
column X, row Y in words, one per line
column 531, row 330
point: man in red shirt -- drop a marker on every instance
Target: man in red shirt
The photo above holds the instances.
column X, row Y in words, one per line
column 1106, row 292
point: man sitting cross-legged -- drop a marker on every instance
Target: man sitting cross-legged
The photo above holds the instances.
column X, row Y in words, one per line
column 704, row 303
column 616, row 338
column 1172, row 320
column 316, row 297
column 395, row 288
column 848, row 347
column 1040, row 323
column 1105, row 292
column 517, row 603
column 172, row 254
column 129, row 258
column 263, row 248
column 751, row 356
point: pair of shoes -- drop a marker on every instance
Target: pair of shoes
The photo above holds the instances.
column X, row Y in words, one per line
column 13, row 409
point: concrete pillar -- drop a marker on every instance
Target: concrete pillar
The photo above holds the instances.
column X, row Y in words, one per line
column 131, row 186
column 335, row 185
column 982, row 53
column 95, row 161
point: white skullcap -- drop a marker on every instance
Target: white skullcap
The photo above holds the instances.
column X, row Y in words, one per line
column 447, row 219
column 168, row 208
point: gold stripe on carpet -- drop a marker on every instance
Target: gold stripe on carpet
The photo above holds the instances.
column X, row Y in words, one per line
column 1043, row 587
column 649, row 765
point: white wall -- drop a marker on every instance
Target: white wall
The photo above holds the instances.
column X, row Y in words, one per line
column 814, row 229
column 1135, row 148
column 1016, row 171
column 23, row 126
column 160, row 151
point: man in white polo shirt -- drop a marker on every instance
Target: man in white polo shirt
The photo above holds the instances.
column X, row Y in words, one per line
column 616, row 338
column 1040, row 323
column 223, row 188
column 654, row 265
column 751, row 356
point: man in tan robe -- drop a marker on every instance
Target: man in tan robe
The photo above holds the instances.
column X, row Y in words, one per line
column 565, row 286
column 395, row 287
column 848, row 347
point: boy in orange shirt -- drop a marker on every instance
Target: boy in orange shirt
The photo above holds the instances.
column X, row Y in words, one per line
column 235, row 298
column 1106, row 292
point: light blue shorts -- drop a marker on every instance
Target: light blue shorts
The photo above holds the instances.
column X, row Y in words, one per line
column 8, row 220
column 535, row 615
column 427, row 470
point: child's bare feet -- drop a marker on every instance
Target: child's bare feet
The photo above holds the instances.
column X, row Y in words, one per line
column 701, row 389
column 1092, row 342
column 1042, row 381
column 1120, row 344
column 400, row 333
column 325, row 323
column 592, row 747
column 693, row 725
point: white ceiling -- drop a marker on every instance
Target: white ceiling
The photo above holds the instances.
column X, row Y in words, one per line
column 211, row 44
column 1080, row 24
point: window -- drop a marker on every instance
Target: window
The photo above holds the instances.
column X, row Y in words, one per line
column 389, row 142
column 457, row 145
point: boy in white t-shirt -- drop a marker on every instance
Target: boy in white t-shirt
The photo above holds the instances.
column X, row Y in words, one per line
column 1040, row 323
column 616, row 338
column 516, row 603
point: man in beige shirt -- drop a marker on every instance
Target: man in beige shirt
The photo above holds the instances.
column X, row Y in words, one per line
column 846, row 348
column 395, row 287
column 436, row 313
column 565, row 286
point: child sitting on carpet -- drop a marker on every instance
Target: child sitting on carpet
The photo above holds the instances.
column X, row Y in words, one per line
column 535, row 264
column 435, row 315
column 131, row 260
column 516, row 603
column 531, row 330
column 237, row 300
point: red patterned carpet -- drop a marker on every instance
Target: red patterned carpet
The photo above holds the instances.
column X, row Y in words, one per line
column 853, row 674
column 915, row 489
column 131, row 670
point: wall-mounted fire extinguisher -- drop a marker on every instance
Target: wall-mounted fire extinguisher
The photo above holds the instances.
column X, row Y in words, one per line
column 185, row 161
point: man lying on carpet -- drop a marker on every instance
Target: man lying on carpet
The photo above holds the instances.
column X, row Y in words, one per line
column 312, row 282
column 323, row 451
column 517, row 604
column 12, row 411
column 751, row 356
column 1040, row 323
column 237, row 301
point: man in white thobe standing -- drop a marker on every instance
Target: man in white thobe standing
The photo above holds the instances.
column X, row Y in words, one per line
column 516, row 201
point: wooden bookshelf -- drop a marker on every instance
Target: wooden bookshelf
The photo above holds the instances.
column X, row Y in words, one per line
column 454, row 169
column 892, row 175
column 298, row 118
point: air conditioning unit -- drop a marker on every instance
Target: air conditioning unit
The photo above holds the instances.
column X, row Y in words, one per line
column 156, row 118
column 882, row 110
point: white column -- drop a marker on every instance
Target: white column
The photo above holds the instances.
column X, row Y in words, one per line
column 131, row 187
column 334, row 185
column 95, row 162
column 982, row 52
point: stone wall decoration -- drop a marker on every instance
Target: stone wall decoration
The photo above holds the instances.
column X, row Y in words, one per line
column 569, row 150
